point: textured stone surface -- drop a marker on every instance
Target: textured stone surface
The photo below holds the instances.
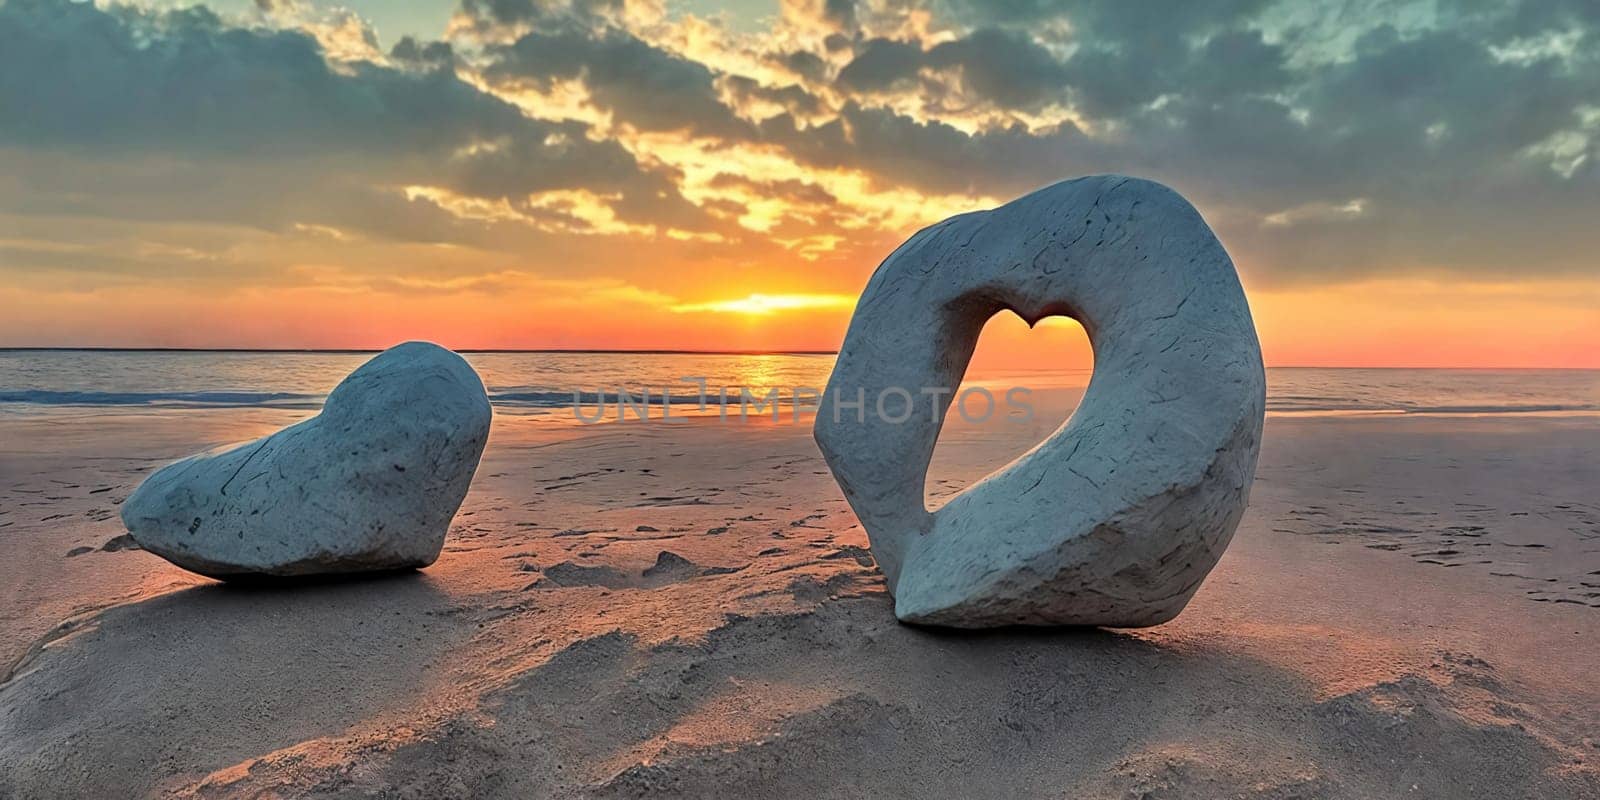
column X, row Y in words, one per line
column 371, row 483
column 1117, row 517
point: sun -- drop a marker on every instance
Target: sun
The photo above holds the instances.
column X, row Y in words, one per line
column 761, row 305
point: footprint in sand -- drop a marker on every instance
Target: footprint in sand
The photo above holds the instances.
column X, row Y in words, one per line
column 669, row 568
column 861, row 555
column 123, row 542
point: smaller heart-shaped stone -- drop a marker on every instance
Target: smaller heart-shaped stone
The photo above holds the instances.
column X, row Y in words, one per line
column 371, row 483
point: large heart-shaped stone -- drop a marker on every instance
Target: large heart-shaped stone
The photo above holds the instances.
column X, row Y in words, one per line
column 371, row 483
column 1117, row 517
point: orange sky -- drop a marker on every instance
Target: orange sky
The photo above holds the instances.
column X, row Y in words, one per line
column 1383, row 324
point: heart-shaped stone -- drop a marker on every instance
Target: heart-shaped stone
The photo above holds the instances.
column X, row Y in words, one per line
column 371, row 483
column 1117, row 517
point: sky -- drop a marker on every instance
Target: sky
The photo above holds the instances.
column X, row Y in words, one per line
column 1399, row 183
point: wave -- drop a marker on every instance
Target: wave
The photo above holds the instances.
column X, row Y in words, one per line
column 593, row 406
column 291, row 400
column 1276, row 405
column 555, row 399
column 226, row 399
column 532, row 398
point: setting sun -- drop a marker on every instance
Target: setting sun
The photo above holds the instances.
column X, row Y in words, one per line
column 763, row 304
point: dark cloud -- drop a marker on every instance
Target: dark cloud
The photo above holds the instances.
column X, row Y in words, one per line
column 1236, row 62
column 803, row 63
column 1002, row 68
column 836, row 42
column 435, row 55
column 731, row 209
column 1131, row 23
column 1001, row 11
column 880, row 65
column 838, row 16
column 490, row 15
column 75, row 76
column 1327, row 140
column 184, row 85
column 840, row 13
column 935, row 156
column 792, row 97
column 989, row 67
column 561, row 157
column 641, row 84
column 267, row 196
column 1454, row 141
column 1125, row 55
column 792, row 190
column 1397, row 88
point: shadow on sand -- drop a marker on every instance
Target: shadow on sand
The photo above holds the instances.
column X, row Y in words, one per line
column 838, row 701
column 201, row 678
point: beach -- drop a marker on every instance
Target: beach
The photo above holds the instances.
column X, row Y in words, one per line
column 445, row 400
column 689, row 609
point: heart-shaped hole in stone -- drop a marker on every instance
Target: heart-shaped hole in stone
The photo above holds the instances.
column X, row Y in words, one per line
column 1021, row 386
column 1117, row 516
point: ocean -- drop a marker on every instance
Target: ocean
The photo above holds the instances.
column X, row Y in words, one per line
column 554, row 384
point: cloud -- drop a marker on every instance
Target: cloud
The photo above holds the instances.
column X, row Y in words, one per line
column 1002, row 68
column 494, row 16
column 435, row 55
column 935, row 156
column 1438, row 122
column 795, row 191
column 880, row 65
column 80, row 77
column 1326, row 142
column 791, row 98
column 828, row 16
column 491, row 284
column 184, row 87
column 1318, row 212
column 640, row 84
column 803, row 63
column 988, row 67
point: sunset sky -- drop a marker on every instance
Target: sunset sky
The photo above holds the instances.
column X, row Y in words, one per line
column 1399, row 183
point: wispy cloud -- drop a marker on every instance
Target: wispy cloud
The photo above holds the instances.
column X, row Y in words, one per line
column 1318, row 212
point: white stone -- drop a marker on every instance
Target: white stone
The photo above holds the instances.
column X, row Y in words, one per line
column 1117, row 516
column 371, row 483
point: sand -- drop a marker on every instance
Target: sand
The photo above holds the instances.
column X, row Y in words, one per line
column 1409, row 609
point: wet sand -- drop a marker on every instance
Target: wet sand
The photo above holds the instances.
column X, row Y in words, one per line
column 1409, row 609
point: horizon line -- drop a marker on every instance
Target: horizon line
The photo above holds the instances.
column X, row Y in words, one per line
column 627, row 351
column 337, row 350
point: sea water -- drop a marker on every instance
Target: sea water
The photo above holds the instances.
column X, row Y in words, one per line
column 35, row 382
